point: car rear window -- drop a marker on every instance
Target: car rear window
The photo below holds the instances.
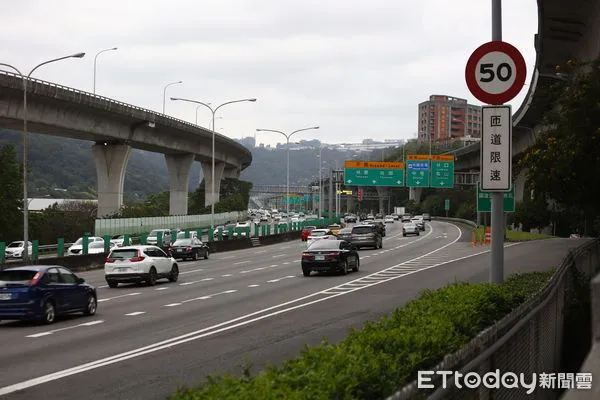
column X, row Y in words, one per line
column 123, row 254
column 325, row 245
column 17, row 276
column 360, row 230
column 317, row 233
column 183, row 242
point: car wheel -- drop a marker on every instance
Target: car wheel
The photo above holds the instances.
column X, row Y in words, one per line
column 112, row 284
column 404, row 234
column 357, row 266
column 345, row 268
column 206, row 254
column 305, row 272
column 194, row 255
column 49, row 313
column 418, row 234
column 174, row 275
column 381, row 244
column 92, row 305
column 152, row 277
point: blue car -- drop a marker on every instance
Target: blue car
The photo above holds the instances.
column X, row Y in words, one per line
column 42, row 292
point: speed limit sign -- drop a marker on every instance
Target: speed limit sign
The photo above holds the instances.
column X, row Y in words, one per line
column 495, row 72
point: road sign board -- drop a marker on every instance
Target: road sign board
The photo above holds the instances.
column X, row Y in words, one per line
column 495, row 72
column 442, row 171
column 496, row 149
column 369, row 173
column 446, row 205
column 484, row 200
column 417, row 170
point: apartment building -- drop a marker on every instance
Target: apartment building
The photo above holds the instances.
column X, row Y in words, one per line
column 445, row 119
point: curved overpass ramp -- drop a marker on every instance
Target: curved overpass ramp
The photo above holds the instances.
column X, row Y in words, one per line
column 116, row 128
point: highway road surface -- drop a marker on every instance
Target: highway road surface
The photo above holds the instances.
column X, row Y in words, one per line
column 254, row 303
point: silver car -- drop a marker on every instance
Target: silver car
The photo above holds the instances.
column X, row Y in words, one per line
column 410, row 229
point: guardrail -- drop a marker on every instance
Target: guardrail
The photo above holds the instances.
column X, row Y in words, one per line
column 528, row 340
column 464, row 221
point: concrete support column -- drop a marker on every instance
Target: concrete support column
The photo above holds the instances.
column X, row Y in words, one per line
column 414, row 193
column 382, row 192
column 179, row 166
column 351, row 202
column 520, row 185
column 231, row 173
column 111, row 162
column 207, row 171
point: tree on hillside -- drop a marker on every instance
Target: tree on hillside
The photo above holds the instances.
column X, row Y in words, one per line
column 564, row 161
column 11, row 195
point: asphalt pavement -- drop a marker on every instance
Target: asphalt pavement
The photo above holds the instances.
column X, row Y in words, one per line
column 146, row 341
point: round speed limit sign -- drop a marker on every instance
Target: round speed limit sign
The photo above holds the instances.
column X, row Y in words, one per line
column 495, row 72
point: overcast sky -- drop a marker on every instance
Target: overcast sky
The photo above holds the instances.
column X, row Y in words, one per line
column 356, row 68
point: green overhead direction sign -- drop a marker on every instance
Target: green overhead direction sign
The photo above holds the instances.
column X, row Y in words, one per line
column 484, row 200
column 370, row 173
column 442, row 171
column 417, row 170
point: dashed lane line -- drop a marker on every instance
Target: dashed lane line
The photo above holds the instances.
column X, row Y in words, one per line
column 118, row 297
column 136, row 313
column 40, row 334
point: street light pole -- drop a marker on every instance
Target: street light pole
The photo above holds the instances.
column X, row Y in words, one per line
column 26, row 147
column 95, row 58
column 165, row 92
column 213, row 111
column 320, row 180
column 287, row 185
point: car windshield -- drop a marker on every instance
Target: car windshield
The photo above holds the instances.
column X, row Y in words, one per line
column 362, row 230
column 117, row 237
column 96, row 245
column 154, row 232
column 16, row 244
column 16, row 276
column 124, row 253
column 79, row 241
column 183, row 242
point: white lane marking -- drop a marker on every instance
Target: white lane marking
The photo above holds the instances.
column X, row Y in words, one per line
column 225, row 258
column 191, row 271
column 136, row 313
column 46, row 333
column 102, row 287
column 280, row 255
column 118, row 297
column 258, row 269
column 208, row 331
column 285, row 247
column 279, row 279
column 210, row 296
column 260, row 251
column 172, row 304
column 161, row 288
column 286, row 263
column 242, row 262
column 255, row 285
column 193, row 282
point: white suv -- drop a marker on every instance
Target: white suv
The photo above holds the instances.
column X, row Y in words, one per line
column 76, row 248
column 139, row 264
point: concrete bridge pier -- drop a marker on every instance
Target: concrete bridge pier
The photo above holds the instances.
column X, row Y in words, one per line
column 231, row 173
column 520, row 185
column 414, row 193
column 111, row 161
column 179, row 166
column 382, row 192
column 207, row 172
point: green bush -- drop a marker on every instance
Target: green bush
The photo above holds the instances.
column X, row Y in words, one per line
column 384, row 355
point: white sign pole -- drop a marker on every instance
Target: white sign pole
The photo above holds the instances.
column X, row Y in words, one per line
column 497, row 253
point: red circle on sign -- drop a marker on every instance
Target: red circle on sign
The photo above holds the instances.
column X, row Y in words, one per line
column 520, row 74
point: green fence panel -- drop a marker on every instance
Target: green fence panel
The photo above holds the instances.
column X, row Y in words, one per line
column 268, row 229
column 144, row 238
column 159, row 239
column 85, row 245
column 60, row 247
column 211, row 235
column 106, row 243
column 186, row 234
column 256, row 230
column 2, row 253
column 126, row 240
column 35, row 250
column 174, row 236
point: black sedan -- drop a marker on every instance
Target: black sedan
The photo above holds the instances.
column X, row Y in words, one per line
column 330, row 256
column 345, row 234
column 41, row 292
column 189, row 248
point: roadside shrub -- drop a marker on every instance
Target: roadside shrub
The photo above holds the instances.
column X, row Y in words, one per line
column 383, row 355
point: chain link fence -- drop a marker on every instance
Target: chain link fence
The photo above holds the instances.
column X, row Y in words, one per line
column 528, row 340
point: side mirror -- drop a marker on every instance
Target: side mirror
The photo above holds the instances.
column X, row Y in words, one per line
column 80, row 281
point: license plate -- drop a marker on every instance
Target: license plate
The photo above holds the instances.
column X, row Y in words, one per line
column 179, row 250
column 5, row 296
column 319, row 258
column 120, row 269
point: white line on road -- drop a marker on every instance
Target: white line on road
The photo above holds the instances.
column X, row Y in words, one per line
column 242, row 262
column 280, row 255
column 118, row 297
column 102, row 287
column 210, row 296
column 226, row 257
column 226, row 275
column 36, row 335
column 161, row 288
column 254, row 285
column 172, row 304
column 189, row 272
column 136, row 313
column 279, row 279
column 193, row 282
column 260, row 251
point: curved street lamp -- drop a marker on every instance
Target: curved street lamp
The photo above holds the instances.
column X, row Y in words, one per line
column 213, row 111
column 26, row 146
column 165, row 92
column 95, row 58
column 287, row 186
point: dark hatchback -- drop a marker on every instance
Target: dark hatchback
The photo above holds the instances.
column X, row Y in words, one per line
column 330, row 256
column 42, row 292
column 189, row 248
